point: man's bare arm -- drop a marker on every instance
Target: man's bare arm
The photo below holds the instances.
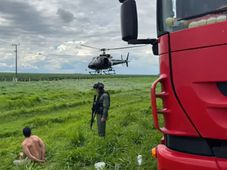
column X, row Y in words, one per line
column 29, row 155
column 43, row 148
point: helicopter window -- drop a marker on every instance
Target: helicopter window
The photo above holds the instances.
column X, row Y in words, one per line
column 106, row 61
column 95, row 60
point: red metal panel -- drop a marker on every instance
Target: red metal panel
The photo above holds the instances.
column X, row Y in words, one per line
column 196, row 74
column 172, row 160
column 222, row 163
column 175, row 120
column 198, row 63
column 163, row 44
column 209, row 35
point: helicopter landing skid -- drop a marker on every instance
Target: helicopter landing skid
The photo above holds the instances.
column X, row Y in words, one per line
column 110, row 71
column 97, row 72
column 100, row 72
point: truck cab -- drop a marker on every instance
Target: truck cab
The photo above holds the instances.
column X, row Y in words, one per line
column 192, row 45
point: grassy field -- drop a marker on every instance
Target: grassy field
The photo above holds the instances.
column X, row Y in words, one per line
column 51, row 77
column 59, row 113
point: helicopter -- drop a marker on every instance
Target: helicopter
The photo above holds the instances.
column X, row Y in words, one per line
column 104, row 62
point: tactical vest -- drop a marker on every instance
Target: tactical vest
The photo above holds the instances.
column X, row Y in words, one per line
column 99, row 103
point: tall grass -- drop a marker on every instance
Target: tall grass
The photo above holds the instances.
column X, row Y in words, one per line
column 59, row 112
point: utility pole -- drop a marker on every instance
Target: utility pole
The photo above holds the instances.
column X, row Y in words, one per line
column 15, row 45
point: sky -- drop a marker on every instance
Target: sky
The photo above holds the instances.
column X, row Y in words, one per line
column 50, row 33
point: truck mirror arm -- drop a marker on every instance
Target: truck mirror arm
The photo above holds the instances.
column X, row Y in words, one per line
column 153, row 42
column 143, row 41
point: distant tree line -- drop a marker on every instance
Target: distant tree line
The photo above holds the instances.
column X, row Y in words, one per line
column 55, row 77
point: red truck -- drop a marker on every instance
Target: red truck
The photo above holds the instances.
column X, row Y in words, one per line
column 192, row 45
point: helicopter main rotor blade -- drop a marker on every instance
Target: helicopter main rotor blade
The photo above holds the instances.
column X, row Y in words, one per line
column 110, row 49
column 87, row 46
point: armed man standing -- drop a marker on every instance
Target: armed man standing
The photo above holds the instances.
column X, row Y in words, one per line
column 100, row 108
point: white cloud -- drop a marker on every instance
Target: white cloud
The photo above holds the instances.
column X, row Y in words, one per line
column 55, row 28
column 65, row 15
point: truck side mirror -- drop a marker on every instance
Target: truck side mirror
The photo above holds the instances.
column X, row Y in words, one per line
column 129, row 25
column 129, row 21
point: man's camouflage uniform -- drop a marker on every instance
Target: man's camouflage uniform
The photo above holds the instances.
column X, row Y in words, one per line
column 104, row 104
column 102, row 108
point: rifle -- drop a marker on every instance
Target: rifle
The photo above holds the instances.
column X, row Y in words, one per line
column 93, row 113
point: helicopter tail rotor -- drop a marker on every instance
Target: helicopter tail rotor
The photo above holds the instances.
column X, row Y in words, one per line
column 126, row 61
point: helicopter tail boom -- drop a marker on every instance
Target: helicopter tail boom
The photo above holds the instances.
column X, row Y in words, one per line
column 122, row 61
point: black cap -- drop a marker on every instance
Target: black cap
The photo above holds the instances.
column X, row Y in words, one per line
column 98, row 86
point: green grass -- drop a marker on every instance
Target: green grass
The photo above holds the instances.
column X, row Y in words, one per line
column 59, row 113
column 51, row 77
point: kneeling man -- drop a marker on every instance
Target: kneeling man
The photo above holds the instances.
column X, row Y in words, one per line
column 33, row 148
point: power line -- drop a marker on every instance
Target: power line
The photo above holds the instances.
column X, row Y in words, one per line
column 16, row 50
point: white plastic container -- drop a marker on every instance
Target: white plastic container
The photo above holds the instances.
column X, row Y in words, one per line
column 100, row 165
column 221, row 18
column 139, row 160
column 211, row 20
